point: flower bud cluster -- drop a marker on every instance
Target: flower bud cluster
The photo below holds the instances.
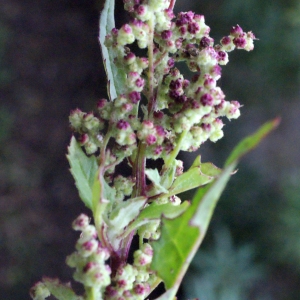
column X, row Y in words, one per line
column 89, row 259
column 133, row 281
column 89, row 127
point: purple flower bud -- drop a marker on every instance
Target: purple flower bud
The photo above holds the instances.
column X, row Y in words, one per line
column 122, row 125
column 83, row 139
column 169, row 13
column 236, row 30
column 134, row 97
column 129, row 57
column 207, row 100
column 114, row 31
column 171, row 62
column 158, row 114
column 166, row 34
column 111, row 291
column 226, row 40
column 193, row 28
column 173, row 94
column 126, row 28
column 205, row 42
column 240, row 42
column 158, row 150
column 141, row 10
column 101, row 103
column 140, row 82
column 89, row 266
column 185, row 84
column 176, row 84
column 126, row 107
column 206, row 127
column 160, row 130
column 216, row 71
column 139, row 289
column 121, row 283
column 178, row 43
column 81, row 222
column 183, row 30
column 150, row 139
column 222, row 56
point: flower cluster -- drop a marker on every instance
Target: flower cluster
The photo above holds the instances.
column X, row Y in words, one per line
column 153, row 113
column 133, row 281
column 90, row 257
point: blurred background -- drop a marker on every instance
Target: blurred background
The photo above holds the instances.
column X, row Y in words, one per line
column 50, row 63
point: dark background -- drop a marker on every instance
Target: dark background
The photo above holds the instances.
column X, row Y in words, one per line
column 50, row 63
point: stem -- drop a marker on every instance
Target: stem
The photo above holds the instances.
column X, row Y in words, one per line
column 91, row 293
column 152, row 97
column 172, row 156
column 172, row 4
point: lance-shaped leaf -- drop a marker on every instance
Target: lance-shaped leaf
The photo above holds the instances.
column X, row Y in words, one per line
column 84, row 170
column 197, row 175
column 116, row 77
column 121, row 216
column 181, row 237
column 158, row 188
column 155, row 212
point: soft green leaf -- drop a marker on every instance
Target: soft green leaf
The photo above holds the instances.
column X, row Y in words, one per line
column 120, row 217
column 83, row 169
column 168, row 175
column 250, row 142
column 126, row 212
column 116, row 76
column 181, row 237
column 154, row 176
column 155, row 212
column 59, row 290
column 194, row 177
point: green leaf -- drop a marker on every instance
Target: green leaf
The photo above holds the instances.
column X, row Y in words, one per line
column 120, row 217
column 155, row 212
column 181, row 237
column 59, row 290
column 154, row 176
column 116, row 76
column 84, row 170
column 197, row 175
column 168, row 175
column 250, row 142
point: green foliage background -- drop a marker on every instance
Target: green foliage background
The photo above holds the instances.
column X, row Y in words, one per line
column 50, row 63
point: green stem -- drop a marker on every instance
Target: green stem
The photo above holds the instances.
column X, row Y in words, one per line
column 91, row 293
column 172, row 156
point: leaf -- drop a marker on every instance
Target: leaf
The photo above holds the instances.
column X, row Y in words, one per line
column 168, row 175
column 120, row 217
column 84, row 170
column 181, row 237
column 116, row 76
column 197, row 175
column 154, row 176
column 250, row 142
column 59, row 290
column 155, row 212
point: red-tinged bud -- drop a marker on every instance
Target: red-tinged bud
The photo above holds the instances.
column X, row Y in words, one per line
column 134, row 97
column 166, row 34
column 122, row 125
column 150, row 139
column 206, row 100
column 101, row 103
column 240, row 42
column 236, row 30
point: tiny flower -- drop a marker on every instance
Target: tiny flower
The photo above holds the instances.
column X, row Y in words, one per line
column 81, row 222
column 166, row 34
column 206, row 100
column 122, row 125
column 236, row 30
column 240, row 42
column 150, row 139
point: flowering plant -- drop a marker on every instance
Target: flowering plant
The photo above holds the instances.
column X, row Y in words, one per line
column 152, row 114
